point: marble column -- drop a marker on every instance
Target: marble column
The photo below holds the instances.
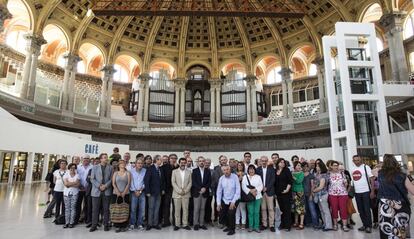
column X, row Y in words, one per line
column 213, row 85
column 29, row 167
column 146, row 98
column 33, row 45
column 182, row 103
column 45, row 169
column 4, row 14
column 68, row 91
column 393, row 25
column 106, row 95
column 251, row 83
column 287, row 86
column 179, row 84
column 141, row 94
column 218, row 104
column 321, row 84
column 11, row 169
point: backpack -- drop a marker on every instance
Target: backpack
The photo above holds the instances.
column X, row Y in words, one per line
column 60, row 220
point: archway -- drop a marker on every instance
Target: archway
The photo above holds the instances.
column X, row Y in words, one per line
column 197, row 95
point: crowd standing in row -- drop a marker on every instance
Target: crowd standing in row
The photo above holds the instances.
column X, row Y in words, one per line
column 268, row 194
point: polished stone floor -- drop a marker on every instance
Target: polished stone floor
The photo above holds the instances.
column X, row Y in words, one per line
column 21, row 217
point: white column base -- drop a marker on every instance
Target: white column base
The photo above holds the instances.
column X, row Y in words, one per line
column 287, row 124
column 67, row 117
column 105, row 123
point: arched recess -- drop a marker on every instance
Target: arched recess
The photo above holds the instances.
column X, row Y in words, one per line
column 196, row 62
column 21, row 23
column 267, row 69
column 127, row 69
column 239, row 62
column 372, row 12
column 58, row 43
column 241, row 69
column 300, row 60
column 161, row 64
column 92, row 58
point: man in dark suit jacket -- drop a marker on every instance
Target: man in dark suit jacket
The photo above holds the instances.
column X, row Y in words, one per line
column 268, row 174
column 201, row 181
column 154, row 188
column 166, row 199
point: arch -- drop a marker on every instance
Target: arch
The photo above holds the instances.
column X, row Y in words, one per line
column 57, row 43
column 93, row 57
column 160, row 63
column 408, row 25
column 300, row 46
column 232, row 61
column 300, row 59
column 126, row 67
column 29, row 8
column 130, row 54
column 96, row 44
column 371, row 12
column 263, row 56
column 65, row 30
column 20, row 24
column 197, row 62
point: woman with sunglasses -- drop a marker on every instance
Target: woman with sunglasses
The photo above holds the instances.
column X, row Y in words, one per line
column 71, row 181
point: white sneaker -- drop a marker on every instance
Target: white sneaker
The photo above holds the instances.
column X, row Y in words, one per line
column 140, row 227
column 277, row 231
column 131, row 227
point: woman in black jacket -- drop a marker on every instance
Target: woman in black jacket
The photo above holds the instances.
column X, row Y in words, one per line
column 283, row 189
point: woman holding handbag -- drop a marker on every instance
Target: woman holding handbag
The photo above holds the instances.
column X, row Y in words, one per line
column 252, row 184
column 121, row 180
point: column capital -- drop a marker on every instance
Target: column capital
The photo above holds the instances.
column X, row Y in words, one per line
column 393, row 22
column 250, row 79
column 285, row 73
column 71, row 60
column 109, row 71
column 179, row 82
column 215, row 83
column 319, row 61
column 34, row 43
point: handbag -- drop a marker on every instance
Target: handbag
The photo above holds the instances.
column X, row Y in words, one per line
column 350, row 207
column 119, row 212
column 247, row 197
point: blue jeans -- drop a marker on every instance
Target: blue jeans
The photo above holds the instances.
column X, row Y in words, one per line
column 137, row 202
column 153, row 210
column 364, row 208
column 311, row 210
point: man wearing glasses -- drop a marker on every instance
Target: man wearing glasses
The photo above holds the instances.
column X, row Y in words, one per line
column 82, row 170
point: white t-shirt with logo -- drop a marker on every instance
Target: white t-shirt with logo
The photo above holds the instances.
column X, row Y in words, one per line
column 59, row 186
column 360, row 179
column 71, row 190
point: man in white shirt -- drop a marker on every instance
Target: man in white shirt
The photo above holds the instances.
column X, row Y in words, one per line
column 127, row 158
column 82, row 170
column 361, row 175
column 59, row 186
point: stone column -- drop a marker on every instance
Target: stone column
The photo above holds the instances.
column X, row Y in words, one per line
column 393, row 25
column 106, row 94
column 248, row 102
column 251, row 82
column 68, row 91
column 177, row 103
column 182, row 103
column 33, row 44
column 4, row 14
column 147, row 78
column 29, row 167
column 213, row 85
column 321, row 84
column 141, row 93
column 287, row 80
column 218, row 104
column 45, row 166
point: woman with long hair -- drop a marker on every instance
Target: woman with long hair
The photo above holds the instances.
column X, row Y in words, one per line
column 298, row 195
column 241, row 208
column 394, row 205
column 321, row 194
column 283, row 182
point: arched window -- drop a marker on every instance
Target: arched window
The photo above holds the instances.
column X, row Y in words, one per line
column 15, row 39
column 121, row 74
column 408, row 26
column 313, row 70
column 274, row 76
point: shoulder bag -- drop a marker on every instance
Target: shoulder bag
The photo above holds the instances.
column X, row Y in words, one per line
column 119, row 212
column 247, row 197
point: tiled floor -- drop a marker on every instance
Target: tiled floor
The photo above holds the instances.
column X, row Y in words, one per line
column 21, row 217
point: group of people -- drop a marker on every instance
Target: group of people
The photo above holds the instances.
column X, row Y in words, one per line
column 274, row 194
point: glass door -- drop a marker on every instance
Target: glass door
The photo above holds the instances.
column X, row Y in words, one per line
column 20, row 169
column 38, row 167
column 7, row 160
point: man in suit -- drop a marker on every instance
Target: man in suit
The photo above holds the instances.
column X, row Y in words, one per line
column 154, row 189
column 201, row 181
column 181, row 182
column 268, row 174
column 167, row 170
column 101, row 191
column 217, row 173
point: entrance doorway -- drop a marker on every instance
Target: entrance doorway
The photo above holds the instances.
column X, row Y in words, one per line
column 7, row 161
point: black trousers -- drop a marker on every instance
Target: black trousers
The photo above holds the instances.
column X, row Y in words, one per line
column 79, row 202
column 59, row 203
column 97, row 202
column 364, row 208
column 88, row 209
column 208, row 213
column 285, row 204
column 228, row 215
column 52, row 204
column 165, row 208
column 191, row 212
